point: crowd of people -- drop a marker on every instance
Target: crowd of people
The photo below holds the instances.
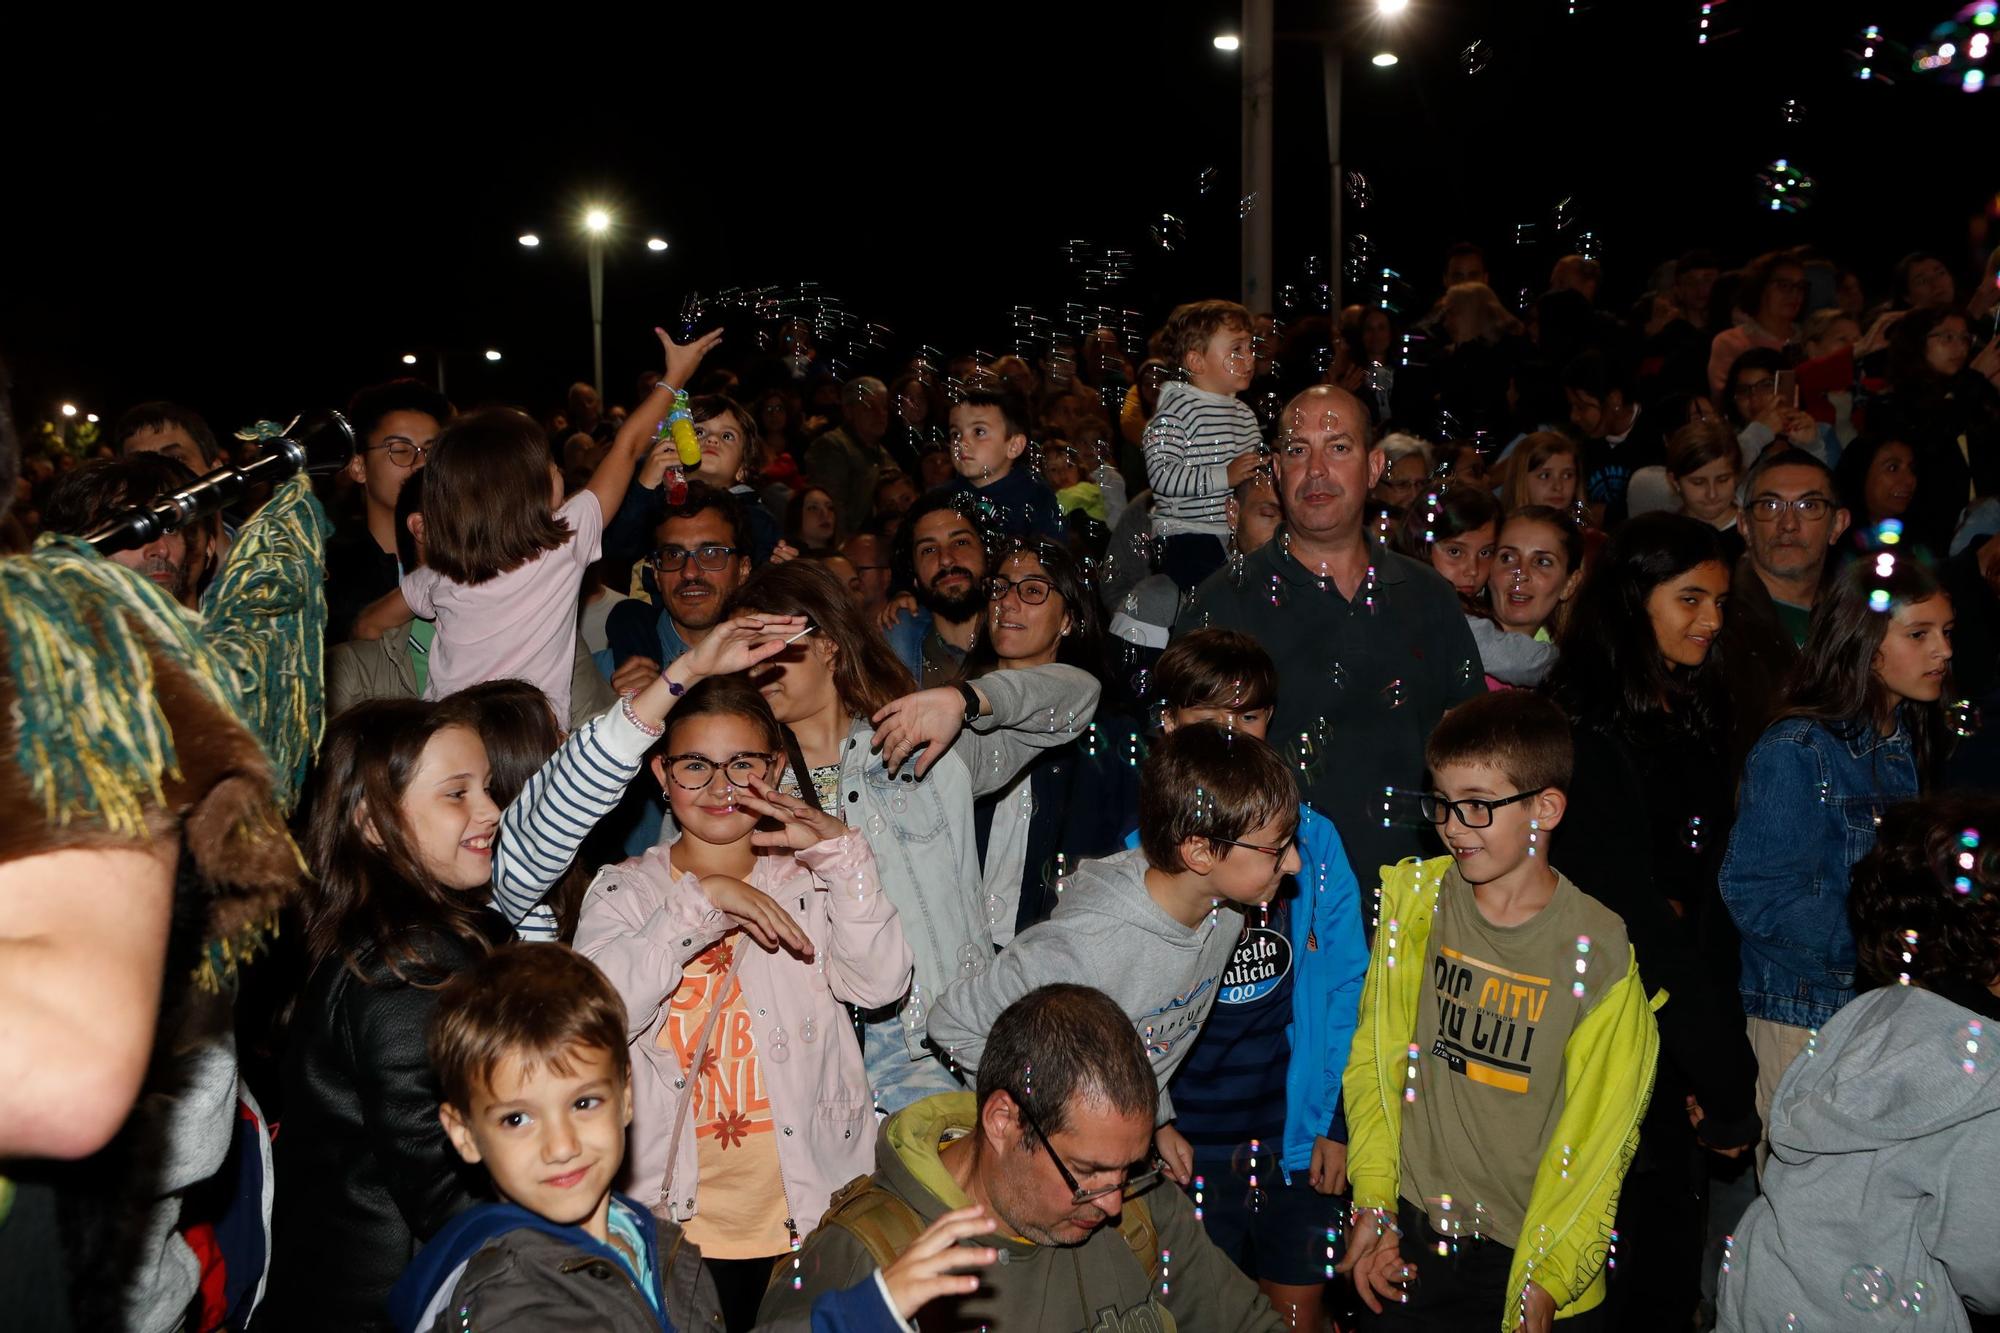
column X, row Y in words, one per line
column 1342, row 823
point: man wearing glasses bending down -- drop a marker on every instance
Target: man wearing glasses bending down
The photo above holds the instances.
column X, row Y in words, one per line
column 1791, row 519
column 1056, row 1144
column 700, row 555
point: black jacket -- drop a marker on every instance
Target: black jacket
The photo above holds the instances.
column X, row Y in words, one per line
column 365, row 1173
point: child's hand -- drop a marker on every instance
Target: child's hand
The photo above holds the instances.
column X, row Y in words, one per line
column 805, row 824
column 634, row 674
column 930, row 1267
column 1538, row 1312
column 684, row 359
column 1176, row 1153
column 892, row 610
column 1374, row 1258
column 929, row 720
column 740, row 644
column 782, row 552
column 1244, row 466
column 1328, row 1172
column 761, row 917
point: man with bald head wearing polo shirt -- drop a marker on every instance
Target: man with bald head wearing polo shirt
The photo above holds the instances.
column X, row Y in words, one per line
column 1371, row 646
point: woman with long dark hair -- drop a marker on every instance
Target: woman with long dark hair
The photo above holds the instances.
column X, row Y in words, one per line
column 1641, row 677
column 906, row 768
column 1070, row 802
column 1862, row 727
column 1949, row 415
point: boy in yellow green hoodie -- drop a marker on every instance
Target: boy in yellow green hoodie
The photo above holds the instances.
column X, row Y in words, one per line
column 1504, row 1056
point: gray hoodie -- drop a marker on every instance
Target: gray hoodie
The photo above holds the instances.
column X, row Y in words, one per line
column 1106, row 932
column 1882, row 1196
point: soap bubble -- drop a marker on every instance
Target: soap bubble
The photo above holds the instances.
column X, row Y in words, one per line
column 1475, row 58
column 1169, row 232
column 1866, row 1287
column 1394, row 694
column 1792, row 111
column 1205, row 181
column 779, row 1048
column 1965, row 717
column 970, row 963
column 1783, row 188
column 1246, row 205
column 809, row 1030
column 1971, row 1043
column 1359, row 193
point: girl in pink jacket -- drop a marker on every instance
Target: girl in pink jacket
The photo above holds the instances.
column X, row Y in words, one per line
column 739, row 939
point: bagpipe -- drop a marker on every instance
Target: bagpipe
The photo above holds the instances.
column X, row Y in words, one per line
column 317, row 443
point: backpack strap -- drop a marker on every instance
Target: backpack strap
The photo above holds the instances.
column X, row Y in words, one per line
column 1142, row 1236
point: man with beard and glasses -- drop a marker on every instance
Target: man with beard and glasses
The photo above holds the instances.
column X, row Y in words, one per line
column 1371, row 646
column 701, row 553
column 941, row 556
column 179, row 562
column 1791, row 520
column 1055, row 1145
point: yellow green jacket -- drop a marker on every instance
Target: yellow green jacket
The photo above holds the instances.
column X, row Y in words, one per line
column 1608, row 1066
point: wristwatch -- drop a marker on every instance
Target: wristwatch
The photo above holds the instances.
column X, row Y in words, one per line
column 971, row 701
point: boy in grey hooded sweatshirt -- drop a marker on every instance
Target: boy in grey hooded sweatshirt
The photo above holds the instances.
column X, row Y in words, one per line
column 1882, row 1195
column 1218, row 820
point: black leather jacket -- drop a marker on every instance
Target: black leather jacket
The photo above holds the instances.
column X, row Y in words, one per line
column 364, row 1171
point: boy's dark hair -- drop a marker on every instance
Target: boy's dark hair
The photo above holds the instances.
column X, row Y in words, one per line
column 486, row 497
column 702, row 497
column 1600, row 374
column 409, row 501
column 1204, row 782
column 707, row 406
column 158, row 415
column 1190, row 326
column 1935, row 870
column 997, row 393
column 1522, row 734
column 1061, row 1045
column 86, row 496
column 532, row 1002
column 889, row 476
column 1216, row 668
column 368, row 406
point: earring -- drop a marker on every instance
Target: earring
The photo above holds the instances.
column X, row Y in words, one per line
column 1534, row 834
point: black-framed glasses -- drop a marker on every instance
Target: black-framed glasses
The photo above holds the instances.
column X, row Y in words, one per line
column 694, row 772
column 1032, row 589
column 401, row 452
column 1129, row 1186
column 1752, row 388
column 1277, row 854
column 670, row 559
column 1473, row 811
column 1809, row 507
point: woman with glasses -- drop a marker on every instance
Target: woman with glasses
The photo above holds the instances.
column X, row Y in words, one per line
column 1641, row 677
column 734, row 944
column 1949, row 412
column 905, row 769
column 1071, row 802
column 1765, row 414
column 1768, row 302
column 1862, row 728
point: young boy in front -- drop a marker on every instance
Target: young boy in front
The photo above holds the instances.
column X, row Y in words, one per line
column 1505, row 1051
column 1218, row 820
column 530, row 1052
column 1202, row 439
column 1260, row 1090
column 989, row 433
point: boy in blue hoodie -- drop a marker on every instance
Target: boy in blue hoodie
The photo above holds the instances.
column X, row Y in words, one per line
column 531, row 1056
column 1258, row 1098
column 989, row 433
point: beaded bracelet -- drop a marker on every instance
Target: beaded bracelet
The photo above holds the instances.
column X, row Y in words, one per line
column 632, row 716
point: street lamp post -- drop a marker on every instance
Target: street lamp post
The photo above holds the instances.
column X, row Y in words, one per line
column 596, row 222
column 1255, row 44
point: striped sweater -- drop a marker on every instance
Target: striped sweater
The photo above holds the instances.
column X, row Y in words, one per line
column 1188, row 445
column 543, row 826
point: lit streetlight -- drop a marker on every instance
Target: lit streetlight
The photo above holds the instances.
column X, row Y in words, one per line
column 492, row 354
column 409, row 358
column 1391, row 8
column 91, row 417
column 69, row 409
column 656, row 245
column 1228, row 41
column 530, row 240
column 597, row 221
column 1384, row 59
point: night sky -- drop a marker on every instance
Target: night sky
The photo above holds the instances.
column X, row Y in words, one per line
column 260, row 234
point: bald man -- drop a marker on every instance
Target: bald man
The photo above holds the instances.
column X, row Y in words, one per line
column 1371, row 646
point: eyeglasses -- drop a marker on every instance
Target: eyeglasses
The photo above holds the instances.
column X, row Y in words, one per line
column 1129, row 1186
column 1808, row 507
column 1277, row 854
column 401, row 452
column 1956, row 337
column 694, row 772
column 1788, row 284
column 1752, row 388
column 1032, row 590
column 1473, row 812
column 669, row 559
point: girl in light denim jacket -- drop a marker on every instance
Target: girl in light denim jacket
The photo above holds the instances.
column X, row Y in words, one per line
column 734, row 946
column 1862, row 728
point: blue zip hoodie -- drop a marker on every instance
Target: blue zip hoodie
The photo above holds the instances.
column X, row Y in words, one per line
column 861, row 1308
column 1330, row 956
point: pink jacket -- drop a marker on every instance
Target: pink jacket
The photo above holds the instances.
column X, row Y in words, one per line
column 1734, row 342
column 643, row 922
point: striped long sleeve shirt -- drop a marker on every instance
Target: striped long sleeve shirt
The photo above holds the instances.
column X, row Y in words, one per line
column 543, row 826
column 1188, row 445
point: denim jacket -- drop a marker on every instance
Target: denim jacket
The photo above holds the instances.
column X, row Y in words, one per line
column 1810, row 800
